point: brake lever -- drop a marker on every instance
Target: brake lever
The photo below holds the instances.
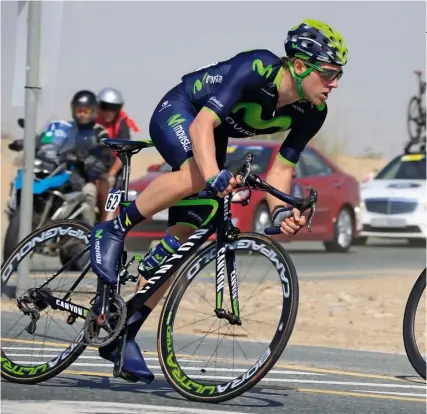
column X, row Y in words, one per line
column 312, row 200
column 246, row 169
column 310, row 216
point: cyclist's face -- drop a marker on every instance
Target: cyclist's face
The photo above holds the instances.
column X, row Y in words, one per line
column 317, row 85
column 83, row 114
column 108, row 116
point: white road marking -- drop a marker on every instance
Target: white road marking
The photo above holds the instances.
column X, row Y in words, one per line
column 89, row 407
column 405, row 394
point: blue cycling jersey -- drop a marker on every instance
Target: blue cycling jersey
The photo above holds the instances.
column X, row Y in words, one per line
column 243, row 93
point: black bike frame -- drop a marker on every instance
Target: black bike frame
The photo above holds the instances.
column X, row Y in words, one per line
column 225, row 258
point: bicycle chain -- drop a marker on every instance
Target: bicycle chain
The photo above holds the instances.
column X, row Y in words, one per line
column 57, row 337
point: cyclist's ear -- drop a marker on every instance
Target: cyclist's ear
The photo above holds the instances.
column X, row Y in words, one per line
column 299, row 66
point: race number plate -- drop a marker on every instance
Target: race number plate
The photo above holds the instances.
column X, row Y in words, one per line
column 113, row 200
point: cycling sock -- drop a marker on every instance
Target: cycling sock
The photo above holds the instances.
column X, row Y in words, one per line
column 129, row 216
column 135, row 322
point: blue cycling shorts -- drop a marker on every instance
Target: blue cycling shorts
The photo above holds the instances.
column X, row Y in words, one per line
column 169, row 131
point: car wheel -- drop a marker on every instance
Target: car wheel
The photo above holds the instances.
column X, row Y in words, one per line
column 343, row 232
column 417, row 242
column 262, row 219
column 360, row 241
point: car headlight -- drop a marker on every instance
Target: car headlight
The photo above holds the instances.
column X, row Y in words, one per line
column 132, row 195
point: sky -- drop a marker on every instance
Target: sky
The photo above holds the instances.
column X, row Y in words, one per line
column 143, row 49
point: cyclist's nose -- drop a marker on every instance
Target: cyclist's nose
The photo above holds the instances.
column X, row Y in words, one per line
column 334, row 83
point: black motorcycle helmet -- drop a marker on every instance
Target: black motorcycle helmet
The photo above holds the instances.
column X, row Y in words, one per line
column 84, row 107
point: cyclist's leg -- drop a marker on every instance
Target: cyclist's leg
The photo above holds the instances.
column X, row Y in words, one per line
column 185, row 217
column 174, row 146
column 169, row 127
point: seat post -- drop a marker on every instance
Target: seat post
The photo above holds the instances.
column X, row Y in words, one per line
column 125, row 159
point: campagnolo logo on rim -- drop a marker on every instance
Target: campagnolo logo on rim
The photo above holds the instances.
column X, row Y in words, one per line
column 30, row 245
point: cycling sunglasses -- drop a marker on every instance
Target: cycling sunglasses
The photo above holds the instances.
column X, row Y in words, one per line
column 327, row 73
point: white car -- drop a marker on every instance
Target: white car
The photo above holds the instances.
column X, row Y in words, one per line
column 394, row 201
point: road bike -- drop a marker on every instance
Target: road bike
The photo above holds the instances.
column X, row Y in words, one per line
column 104, row 321
column 415, row 357
column 416, row 115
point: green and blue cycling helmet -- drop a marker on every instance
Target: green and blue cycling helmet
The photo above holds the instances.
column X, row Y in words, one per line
column 314, row 42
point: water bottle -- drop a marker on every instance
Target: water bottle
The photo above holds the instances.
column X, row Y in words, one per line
column 155, row 257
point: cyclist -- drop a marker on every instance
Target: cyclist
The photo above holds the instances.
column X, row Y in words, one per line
column 252, row 93
column 116, row 121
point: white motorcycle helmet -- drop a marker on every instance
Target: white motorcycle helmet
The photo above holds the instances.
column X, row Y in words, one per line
column 110, row 99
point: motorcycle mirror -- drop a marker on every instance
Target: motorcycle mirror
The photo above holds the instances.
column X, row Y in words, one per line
column 21, row 122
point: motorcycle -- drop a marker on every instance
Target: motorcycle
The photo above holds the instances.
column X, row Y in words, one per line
column 57, row 190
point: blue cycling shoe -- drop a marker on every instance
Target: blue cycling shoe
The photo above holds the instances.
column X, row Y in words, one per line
column 106, row 247
column 134, row 368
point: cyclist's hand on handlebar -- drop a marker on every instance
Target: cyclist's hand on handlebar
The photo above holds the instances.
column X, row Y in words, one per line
column 290, row 221
column 223, row 183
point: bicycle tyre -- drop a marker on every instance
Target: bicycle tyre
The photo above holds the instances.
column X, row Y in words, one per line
column 411, row 348
column 414, row 120
column 24, row 374
column 194, row 391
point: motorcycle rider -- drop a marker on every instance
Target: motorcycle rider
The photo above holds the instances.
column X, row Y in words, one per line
column 117, row 122
column 96, row 158
column 84, row 109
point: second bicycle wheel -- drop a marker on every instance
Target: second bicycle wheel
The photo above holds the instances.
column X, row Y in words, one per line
column 268, row 297
column 415, row 345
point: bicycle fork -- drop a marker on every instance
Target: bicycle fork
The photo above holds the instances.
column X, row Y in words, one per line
column 226, row 264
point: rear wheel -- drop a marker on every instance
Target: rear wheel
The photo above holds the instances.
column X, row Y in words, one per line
column 32, row 330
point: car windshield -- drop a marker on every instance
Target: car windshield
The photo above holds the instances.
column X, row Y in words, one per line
column 236, row 157
column 405, row 167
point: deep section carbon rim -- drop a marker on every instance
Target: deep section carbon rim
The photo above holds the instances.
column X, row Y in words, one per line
column 39, row 344
column 190, row 362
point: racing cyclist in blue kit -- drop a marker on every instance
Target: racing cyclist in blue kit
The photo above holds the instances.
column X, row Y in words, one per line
column 252, row 93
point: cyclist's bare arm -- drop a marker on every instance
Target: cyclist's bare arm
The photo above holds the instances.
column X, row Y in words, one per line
column 279, row 176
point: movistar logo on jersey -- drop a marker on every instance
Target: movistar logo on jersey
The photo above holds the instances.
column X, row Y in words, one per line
column 252, row 117
column 175, row 120
column 258, row 66
column 198, row 85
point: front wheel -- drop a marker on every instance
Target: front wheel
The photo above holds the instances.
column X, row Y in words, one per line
column 411, row 346
column 250, row 349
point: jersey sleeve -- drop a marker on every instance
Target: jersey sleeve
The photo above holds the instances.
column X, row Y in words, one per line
column 292, row 148
column 247, row 70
